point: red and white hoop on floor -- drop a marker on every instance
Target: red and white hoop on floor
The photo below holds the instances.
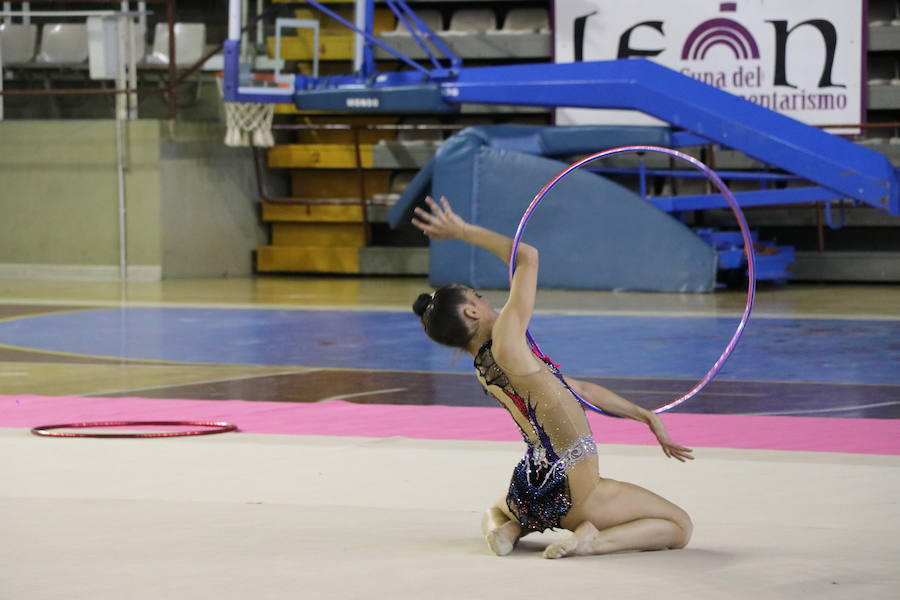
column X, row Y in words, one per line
column 213, row 427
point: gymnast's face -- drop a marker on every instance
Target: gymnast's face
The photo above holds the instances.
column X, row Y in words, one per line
column 477, row 307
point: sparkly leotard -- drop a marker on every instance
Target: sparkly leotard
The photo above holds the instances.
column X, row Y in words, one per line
column 555, row 429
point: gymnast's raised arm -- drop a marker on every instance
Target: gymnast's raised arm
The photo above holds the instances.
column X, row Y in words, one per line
column 509, row 345
column 444, row 224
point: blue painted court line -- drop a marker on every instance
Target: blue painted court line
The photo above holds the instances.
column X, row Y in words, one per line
column 814, row 350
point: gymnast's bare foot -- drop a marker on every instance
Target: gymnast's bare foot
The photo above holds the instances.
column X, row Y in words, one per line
column 581, row 542
column 503, row 539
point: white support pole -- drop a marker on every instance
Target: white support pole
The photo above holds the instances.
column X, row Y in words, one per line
column 123, row 30
column 132, row 67
column 245, row 47
column 142, row 8
column 260, row 28
column 26, row 8
column 358, row 40
column 234, row 20
column 7, row 8
column 1, row 83
column 121, row 62
column 120, row 185
column 121, row 115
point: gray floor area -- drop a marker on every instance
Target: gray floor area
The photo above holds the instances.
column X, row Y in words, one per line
column 261, row 516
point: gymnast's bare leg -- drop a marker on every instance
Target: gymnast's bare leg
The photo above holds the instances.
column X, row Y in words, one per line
column 620, row 516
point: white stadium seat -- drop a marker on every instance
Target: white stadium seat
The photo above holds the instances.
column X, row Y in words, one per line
column 17, row 43
column 431, row 18
column 527, row 20
column 472, row 20
column 190, row 42
column 63, row 43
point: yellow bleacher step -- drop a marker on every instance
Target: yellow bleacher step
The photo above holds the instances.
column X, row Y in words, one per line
column 384, row 18
column 345, row 136
column 312, row 213
column 327, row 184
column 321, row 156
column 335, row 40
column 332, row 46
column 307, row 259
column 318, row 234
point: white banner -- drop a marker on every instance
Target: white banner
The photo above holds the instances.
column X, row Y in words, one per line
column 803, row 59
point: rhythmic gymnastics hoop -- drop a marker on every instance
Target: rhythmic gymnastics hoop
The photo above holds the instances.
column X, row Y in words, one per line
column 745, row 234
column 217, row 427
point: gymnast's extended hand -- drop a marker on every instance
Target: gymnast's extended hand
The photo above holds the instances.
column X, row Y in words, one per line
column 441, row 223
column 612, row 403
column 670, row 448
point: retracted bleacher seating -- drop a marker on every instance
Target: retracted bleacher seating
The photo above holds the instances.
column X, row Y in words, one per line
column 592, row 233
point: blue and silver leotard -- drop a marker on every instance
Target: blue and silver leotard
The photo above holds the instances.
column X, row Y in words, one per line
column 555, row 430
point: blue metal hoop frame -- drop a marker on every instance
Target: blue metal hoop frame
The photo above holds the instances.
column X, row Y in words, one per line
column 745, row 234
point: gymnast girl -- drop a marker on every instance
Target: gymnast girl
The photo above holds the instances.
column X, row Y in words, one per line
column 557, row 483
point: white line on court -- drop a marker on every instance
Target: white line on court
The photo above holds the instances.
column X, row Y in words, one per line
column 358, row 394
column 818, row 410
column 201, row 382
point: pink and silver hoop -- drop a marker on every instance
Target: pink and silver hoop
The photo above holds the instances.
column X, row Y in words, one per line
column 745, row 234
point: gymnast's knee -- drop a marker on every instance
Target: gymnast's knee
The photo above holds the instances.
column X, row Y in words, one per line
column 686, row 527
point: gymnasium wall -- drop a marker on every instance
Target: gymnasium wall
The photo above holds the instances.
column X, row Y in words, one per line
column 191, row 202
column 210, row 223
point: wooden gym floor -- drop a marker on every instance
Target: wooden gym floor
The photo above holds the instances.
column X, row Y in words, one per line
column 331, row 514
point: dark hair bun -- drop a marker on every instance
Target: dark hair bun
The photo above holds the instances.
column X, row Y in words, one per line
column 421, row 304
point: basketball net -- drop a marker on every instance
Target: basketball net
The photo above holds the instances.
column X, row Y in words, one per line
column 248, row 123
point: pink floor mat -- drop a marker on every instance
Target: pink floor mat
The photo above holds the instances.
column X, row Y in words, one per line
column 865, row 436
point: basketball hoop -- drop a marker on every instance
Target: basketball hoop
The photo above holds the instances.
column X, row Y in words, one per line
column 249, row 123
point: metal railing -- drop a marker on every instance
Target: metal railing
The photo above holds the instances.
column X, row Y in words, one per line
column 173, row 76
